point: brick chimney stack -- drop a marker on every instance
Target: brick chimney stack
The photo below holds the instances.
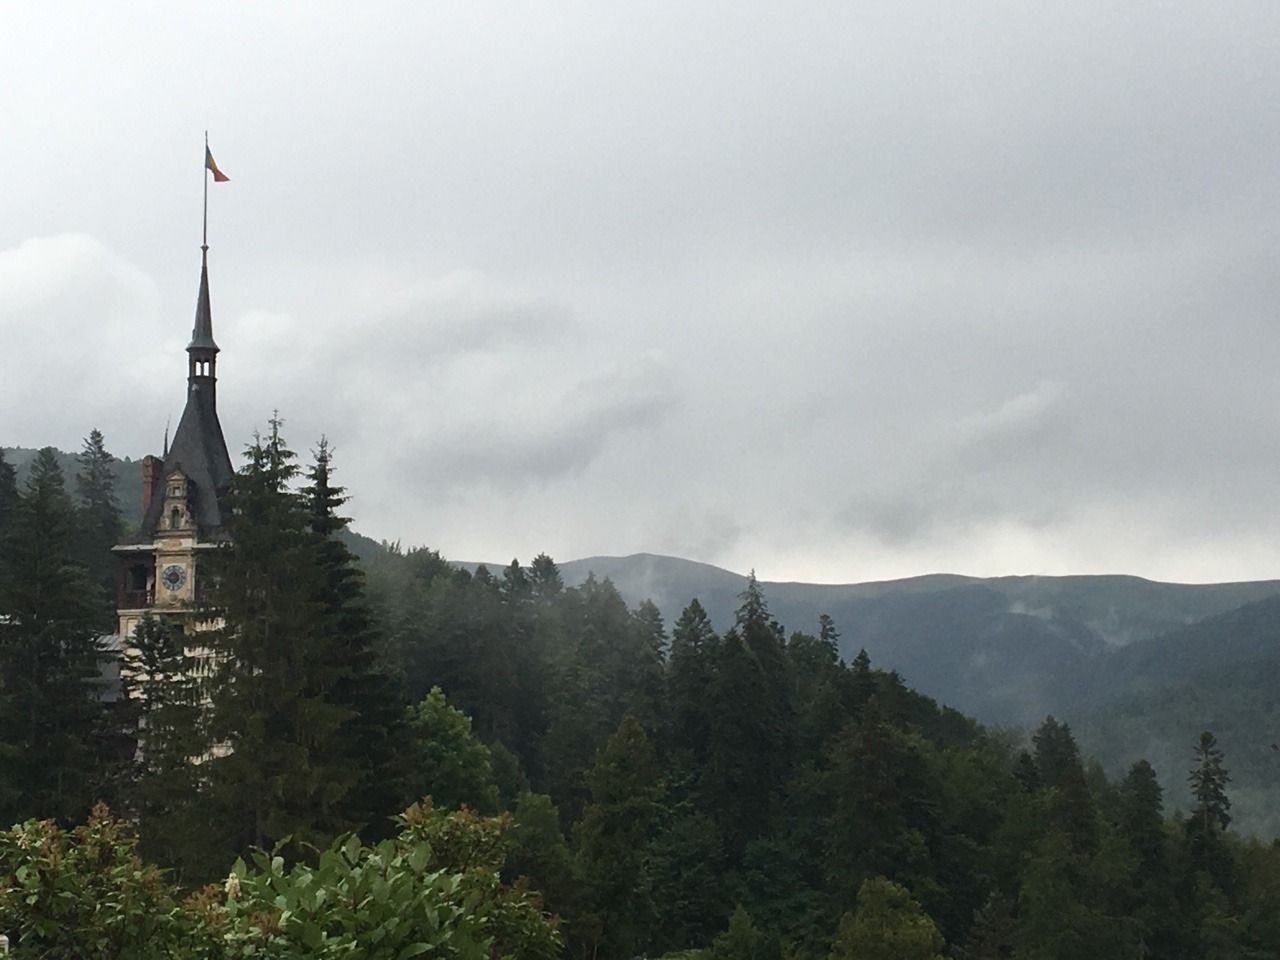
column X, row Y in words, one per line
column 151, row 470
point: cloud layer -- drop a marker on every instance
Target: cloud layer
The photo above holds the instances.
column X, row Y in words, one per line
column 835, row 292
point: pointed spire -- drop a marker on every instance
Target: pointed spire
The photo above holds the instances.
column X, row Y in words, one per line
column 202, row 333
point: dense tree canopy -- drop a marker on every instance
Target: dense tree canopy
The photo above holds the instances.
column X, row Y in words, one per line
column 744, row 793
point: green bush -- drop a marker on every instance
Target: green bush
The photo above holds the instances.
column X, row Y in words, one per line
column 432, row 891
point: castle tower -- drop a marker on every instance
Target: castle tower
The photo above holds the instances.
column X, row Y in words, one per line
column 183, row 494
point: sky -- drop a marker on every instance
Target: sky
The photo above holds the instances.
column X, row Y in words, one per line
column 834, row 291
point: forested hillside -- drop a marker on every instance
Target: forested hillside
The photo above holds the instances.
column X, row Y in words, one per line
column 1223, row 673
column 663, row 786
column 1104, row 611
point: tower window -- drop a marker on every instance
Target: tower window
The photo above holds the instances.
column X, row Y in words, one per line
column 175, row 518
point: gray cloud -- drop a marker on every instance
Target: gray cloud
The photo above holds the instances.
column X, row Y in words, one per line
column 531, row 446
column 835, row 291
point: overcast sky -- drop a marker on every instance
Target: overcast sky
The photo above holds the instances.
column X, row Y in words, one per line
column 836, row 291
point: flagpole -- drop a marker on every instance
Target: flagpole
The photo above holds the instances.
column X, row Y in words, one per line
column 204, row 165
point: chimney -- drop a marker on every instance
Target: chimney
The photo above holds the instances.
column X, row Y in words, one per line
column 151, row 470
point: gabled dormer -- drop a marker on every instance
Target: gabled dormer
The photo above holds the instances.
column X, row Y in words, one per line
column 176, row 515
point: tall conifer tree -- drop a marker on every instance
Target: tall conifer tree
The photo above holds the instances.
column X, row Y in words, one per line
column 613, row 839
column 98, row 514
column 358, row 681
column 689, row 674
column 8, row 494
column 50, row 713
column 279, row 768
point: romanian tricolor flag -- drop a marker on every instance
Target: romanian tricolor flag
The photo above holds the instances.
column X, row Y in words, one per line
column 218, row 175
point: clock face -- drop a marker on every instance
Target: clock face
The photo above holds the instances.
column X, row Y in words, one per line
column 173, row 576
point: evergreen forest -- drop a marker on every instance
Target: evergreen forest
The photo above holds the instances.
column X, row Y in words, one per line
column 398, row 757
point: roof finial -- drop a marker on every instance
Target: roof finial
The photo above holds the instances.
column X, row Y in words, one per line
column 167, row 421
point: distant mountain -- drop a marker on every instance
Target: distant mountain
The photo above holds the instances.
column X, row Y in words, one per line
column 1007, row 649
column 1116, row 609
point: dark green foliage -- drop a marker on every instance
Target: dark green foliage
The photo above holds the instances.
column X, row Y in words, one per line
column 992, row 935
column 689, row 675
column 444, row 761
column 283, row 701
column 750, row 796
column 371, row 737
column 1210, row 815
column 736, row 788
column 164, row 705
column 545, row 578
column 744, row 941
column 1059, row 768
column 1208, row 780
column 8, row 495
column 98, row 518
column 887, row 925
column 790, row 779
column 53, row 746
column 685, row 867
column 435, row 890
column 87, row 895
column 883, row 808
column 612, row 842
column 539, row 853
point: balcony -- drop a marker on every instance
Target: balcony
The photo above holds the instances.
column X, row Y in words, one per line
column 137, row 599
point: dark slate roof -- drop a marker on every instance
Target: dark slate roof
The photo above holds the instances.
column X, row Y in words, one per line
column 200, row 452
column 202, row 332
column 198, row 447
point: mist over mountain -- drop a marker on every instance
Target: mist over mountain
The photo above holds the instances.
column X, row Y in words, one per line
column 1007, row 649
column 1139, row 668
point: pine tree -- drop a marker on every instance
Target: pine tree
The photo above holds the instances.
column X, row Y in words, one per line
column 51, row 719
column 689, row 675
column 860, row 685
column 98, row 517
column 1151, row 894
column 546, row 579
column 648, row 652
column 686, row 863
column 763, row 639
column 738, row 787
column 1209, row 779
column 162, row 695
column 829, row 635
column 815, row 671
column 613, row 838
column 1211, row 814
column 1142, row 816
column 361, row 684
column 280, row 767
column 8, row 495
column 1059, row 767
column 882, row 806
column 523, row 646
